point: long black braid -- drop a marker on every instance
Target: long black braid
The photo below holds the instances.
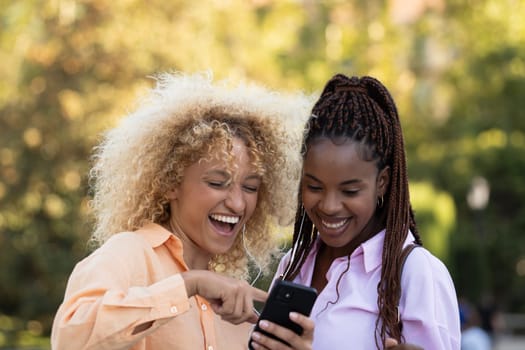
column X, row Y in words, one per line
column 362, row 109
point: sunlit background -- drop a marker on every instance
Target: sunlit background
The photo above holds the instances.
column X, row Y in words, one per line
column 69, row 69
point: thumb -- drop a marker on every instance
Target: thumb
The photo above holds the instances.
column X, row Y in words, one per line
column 253, row 318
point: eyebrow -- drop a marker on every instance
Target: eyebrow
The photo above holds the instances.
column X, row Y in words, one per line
column 218, row 172
column 228, row 175
column 347, row 182
column 254, row 176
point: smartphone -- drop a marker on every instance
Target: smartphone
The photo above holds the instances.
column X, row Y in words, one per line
column 286, row 296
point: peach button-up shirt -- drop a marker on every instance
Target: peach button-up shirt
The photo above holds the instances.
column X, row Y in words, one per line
column 129, row 294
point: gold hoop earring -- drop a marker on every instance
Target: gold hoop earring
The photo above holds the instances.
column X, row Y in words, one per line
column 380, row 202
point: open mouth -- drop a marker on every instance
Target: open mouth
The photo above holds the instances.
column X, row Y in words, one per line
column 224, row 224
column 334, row 225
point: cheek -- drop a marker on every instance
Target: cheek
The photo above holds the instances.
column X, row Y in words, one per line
column 308, row 199
column 251, row 204
column 365, row 207
column 309, row 202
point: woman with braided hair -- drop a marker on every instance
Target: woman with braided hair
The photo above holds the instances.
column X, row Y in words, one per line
column 353, row 223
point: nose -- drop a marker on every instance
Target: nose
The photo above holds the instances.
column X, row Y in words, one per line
column 235, row 199
column 329, row 204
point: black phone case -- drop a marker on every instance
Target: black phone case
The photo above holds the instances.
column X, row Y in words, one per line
column 285, row 297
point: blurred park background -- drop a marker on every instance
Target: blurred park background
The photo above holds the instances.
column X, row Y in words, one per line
column 70, row 68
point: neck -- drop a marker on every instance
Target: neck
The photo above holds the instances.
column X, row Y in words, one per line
column 194, row 257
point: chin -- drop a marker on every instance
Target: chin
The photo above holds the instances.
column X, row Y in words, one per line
column 336, row 242
column 222, row 249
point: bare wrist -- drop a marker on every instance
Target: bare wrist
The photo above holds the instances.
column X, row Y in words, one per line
column 191, row 282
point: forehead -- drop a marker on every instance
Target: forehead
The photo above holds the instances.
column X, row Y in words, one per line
column 340, row 159
column 233, row 157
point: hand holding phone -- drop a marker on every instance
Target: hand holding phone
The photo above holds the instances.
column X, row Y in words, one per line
column 284, row 298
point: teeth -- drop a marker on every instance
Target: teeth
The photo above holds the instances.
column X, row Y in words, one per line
column 333, row 225
column 226, row 219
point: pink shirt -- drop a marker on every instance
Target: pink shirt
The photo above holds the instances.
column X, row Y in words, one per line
column 132, row 280
column 428, row 304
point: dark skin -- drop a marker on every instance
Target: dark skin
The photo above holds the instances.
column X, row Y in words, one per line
column 324, row 258
column 393, row 345
column 349, row 201
column 347, row 193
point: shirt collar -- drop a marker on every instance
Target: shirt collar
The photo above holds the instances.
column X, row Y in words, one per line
column 310, row 260
column 372, row 250
column 156, row 235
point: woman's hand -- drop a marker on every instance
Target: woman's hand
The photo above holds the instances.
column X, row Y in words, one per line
column 392, row 344
column 297, row 342
column 230, row 298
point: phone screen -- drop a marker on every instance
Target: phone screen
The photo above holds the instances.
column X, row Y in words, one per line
column 284, row 298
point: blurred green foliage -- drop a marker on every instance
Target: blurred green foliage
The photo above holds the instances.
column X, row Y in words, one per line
column 70, row 68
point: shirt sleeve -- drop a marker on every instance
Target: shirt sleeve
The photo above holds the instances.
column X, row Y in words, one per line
column 429, row 306
column 103, row 309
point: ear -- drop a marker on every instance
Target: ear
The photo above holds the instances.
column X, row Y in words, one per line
column 383, row 180
column 172, row 194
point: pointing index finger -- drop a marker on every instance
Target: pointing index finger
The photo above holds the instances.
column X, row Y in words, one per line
column 259, row 295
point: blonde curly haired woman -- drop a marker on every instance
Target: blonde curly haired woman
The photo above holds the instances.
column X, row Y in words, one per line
column 186, row 190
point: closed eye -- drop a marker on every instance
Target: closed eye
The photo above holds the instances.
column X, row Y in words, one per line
column 251, row 189
column 350, row 192
column 314, row 188
column 217, row 184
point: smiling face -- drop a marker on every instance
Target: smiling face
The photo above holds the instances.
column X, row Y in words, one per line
column 213, row 202
column 340, row 192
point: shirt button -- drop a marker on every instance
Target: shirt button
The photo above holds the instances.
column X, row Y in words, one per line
column 204, row 308
column 173, row 309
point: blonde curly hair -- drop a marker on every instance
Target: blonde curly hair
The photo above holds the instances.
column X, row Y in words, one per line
column 180, row 121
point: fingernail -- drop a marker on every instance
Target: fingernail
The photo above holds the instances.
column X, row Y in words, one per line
column 256, row 336
column 264, row 324
column 294, row 316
